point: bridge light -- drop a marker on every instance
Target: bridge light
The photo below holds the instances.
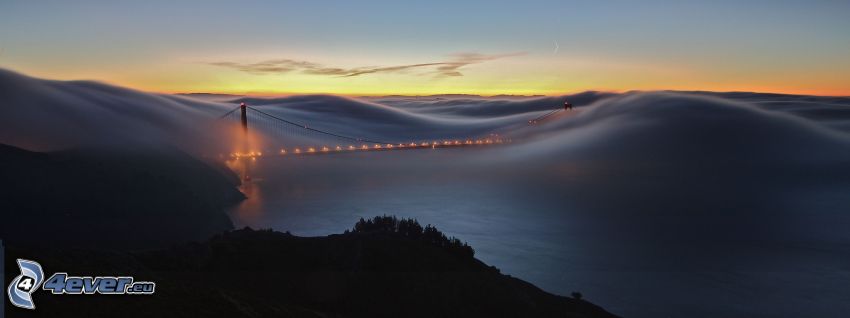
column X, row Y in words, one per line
column 297, row 150
column 311, row 149
column 338, row 148
column 377, row 146
column 364, row 147
column 283, row 151
column 325, row 149
column 351, row 147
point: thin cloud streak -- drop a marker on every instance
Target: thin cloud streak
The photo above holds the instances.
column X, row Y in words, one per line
column 449, row 68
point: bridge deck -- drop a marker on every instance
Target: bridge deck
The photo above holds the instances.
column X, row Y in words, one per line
column 324, row 150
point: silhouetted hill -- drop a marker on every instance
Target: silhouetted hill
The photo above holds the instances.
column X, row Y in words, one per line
column 143, row 197
column 248, row 273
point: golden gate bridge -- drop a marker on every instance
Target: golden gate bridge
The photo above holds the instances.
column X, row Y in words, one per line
column 315, row 141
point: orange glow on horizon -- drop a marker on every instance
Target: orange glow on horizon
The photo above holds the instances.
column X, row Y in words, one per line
column 756, row 89
column 528, row 84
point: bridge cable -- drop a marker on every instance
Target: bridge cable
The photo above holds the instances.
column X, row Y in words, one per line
column 546, row 115
column 228, row 113
column 318, row 130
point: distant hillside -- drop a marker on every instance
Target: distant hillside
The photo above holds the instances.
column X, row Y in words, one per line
column 145, row 197
column 369, row 272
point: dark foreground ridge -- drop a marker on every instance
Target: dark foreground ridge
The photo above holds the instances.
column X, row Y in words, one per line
column 379, row 269
column 94, row 212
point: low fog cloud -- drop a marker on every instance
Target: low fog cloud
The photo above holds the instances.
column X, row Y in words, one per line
column 645, row 185
column 57, row 115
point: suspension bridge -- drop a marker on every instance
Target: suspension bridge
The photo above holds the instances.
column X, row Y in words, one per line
column 302, row 139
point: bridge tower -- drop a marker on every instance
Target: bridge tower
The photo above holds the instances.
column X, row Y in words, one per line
column 244, row 109
column 246, row 144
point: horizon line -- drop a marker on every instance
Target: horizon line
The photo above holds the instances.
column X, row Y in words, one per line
column 271, row 94
column 370, row 95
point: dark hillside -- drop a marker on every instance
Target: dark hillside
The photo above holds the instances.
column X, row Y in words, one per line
column 248, row 273
column 139, row 198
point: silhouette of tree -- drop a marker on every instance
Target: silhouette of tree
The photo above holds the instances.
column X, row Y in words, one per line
column 411, row 229
column 576, row 295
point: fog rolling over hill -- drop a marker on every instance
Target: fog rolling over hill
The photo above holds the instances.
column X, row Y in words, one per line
column 712, row 204
column 48, row 115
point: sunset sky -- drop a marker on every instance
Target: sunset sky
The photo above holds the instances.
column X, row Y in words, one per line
column 433, row 47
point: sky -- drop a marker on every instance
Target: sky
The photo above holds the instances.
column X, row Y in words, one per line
column 433, row 47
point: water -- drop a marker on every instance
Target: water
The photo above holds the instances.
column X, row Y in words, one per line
column 640, row 244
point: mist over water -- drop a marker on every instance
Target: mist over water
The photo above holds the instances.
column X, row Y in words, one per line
column 650, row 203
column 713, row 205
